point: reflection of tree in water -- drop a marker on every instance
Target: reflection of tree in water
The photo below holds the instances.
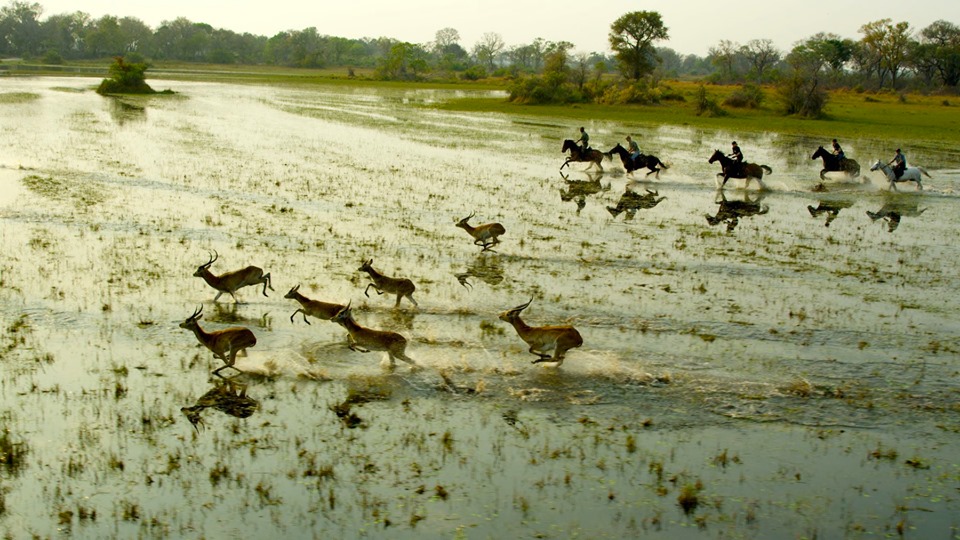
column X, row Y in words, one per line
column 226, row 396
column 896, row 208
column 830, row 208
column 579, row 190
column 631, row 201
column 486, row 268
column 123, row 111
column 730, row 212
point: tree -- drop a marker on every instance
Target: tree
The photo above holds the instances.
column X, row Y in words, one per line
column 724, row 55
column 887, row 45
column 632, row 37
column 942, row 43
column 487, row 49
column 20, row 28
column 405, row 61
column 762, row 55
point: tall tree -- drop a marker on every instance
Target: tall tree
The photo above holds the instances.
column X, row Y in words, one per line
column 488, row 48
column 724, row 55
column 888, row 44
column 631, row 38
column 762, row 55
column 20, row 28
column 944, row 40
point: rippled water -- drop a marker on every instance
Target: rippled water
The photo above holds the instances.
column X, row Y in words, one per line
column 797, row 377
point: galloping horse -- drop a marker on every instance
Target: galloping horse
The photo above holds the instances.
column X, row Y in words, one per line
column 750, row 171
column 832, row 163
column 577, row 154
column 640, row 162
column 910, row 174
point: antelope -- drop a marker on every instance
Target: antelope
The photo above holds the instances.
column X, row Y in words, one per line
column 313, row 308
column 225, row 344
column 542, row 339
column 483, row 235
column 231, row 281
column 366, row 339
column 383, row 284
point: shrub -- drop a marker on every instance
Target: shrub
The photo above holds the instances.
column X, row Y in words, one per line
column 637, row 93
column 706, row 105
column 748, row 96
column 52, row 58
column 802, row 96
column 125, row 78
column 474, row 73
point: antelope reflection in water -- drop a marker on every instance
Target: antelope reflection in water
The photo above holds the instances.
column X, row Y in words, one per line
column 631, row 201
column 485, row 268
column 226, row 396
column 896, row 208
column 831, row 208
column 579, row 190
column 730, row 212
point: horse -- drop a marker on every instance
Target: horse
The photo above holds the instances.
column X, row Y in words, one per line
column 910, row 174
column 833, row 163
column 750, row 171
column 577, row 154
column 642, row 161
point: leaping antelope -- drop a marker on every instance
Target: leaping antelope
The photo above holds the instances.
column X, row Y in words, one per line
column 231, row 281
column 225, row 344
column 313, row 308
column 366, row 339
column 542, row 339
column 483, row 235
column 383, row 284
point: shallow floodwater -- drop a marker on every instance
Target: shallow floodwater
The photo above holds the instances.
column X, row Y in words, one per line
column 791, row 373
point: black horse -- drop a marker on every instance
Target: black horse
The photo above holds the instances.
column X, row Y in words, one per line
column 631, row 201
column 577, row 154
column 833, row 163
column 640, row 162
column 731, row 169
column 730, row 212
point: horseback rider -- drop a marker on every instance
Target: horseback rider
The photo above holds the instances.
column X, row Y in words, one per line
column 585, row 139
column 899, row 163
column 737, row 157
column 633, row 148
column 837, row 151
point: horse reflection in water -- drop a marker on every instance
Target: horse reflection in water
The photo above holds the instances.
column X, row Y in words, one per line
column 830, row 208
column 485, row 268
column 579, row 190
column 895, row 209
column 226, row 396
column 631, row 201
column 730, row 212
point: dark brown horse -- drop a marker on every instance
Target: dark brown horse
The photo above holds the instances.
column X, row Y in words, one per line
column 832, row 163
column 577, row 154
column 731, row 169
column 642, row 161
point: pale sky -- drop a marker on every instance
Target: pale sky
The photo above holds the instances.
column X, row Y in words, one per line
column 693, row 25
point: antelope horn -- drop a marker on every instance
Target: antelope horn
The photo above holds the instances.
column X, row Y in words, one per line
column 213, row 258
column 522, row 306
column 197, row 313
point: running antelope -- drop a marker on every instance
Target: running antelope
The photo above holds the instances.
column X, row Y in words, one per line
column 543, row 339
column 225, row 344
column 483, row 235
column 231, row 281
column 313, row 308
column 383, row 284
column 366, row 339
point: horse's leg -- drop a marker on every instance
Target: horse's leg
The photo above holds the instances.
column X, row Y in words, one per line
column 823, row 174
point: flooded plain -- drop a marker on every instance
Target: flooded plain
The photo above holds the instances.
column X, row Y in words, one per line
column 755, row 365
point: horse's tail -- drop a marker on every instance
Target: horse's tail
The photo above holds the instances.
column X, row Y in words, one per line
column 766, row 169
column 662, row 164
column 924, row 171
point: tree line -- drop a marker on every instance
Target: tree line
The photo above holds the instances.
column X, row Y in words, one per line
column 887, row 55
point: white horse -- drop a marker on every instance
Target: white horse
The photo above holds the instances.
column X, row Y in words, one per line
column 910, row 174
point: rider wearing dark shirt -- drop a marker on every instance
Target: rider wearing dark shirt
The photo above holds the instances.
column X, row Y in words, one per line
column 737, row 156
column 899, row 163
column 837, row 151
